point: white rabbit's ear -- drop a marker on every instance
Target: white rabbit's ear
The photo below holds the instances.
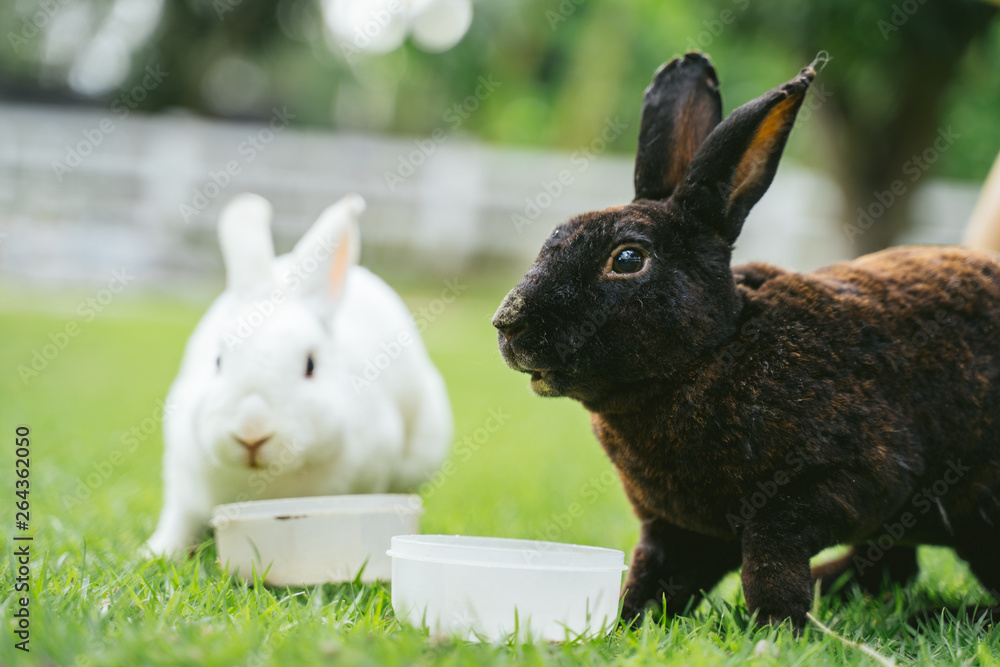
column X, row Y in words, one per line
column 245, row 237
column 330, row 247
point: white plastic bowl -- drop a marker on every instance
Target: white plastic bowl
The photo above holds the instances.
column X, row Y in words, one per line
column 306, row 541
column 489, row 588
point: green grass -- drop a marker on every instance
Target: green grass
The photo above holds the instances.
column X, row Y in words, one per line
column 94, row 603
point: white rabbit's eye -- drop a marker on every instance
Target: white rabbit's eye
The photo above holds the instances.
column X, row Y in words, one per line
column 310, row 366
column 626, row 261
column 218, row 363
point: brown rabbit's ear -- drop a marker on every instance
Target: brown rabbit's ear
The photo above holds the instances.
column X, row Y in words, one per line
column 736, row 163
column 679, row 109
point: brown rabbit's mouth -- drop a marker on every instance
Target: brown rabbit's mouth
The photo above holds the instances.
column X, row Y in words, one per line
column 517, row 359
column 563, row 381
column 541, row 383
column 545, row 380
column 539, row 375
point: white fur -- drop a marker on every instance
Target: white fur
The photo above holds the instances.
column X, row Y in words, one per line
column 374, row 417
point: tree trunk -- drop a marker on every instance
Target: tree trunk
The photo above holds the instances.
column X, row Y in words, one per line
column 879, row 166
column 881, row 161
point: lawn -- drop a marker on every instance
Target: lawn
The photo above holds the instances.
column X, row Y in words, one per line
column 94, row 501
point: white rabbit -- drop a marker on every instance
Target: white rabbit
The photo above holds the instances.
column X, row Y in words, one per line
column 307, row 376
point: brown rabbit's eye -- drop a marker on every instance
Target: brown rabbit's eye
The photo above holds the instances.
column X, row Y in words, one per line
column 310, row 366
column 628, row 260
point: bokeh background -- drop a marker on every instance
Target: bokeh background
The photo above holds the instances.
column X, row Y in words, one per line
column 125, row 126
column 451, row 116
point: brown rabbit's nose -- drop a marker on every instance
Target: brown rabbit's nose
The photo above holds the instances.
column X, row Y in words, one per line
column 508, row 319
column 511, row 331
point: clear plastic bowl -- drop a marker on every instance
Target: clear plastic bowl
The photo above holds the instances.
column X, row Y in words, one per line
column 492, row 588
column 306, row 541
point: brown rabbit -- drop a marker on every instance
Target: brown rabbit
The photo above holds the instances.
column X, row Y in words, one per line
column 758, row 415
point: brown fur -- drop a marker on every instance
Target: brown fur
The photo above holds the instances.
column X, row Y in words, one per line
column 906, row 321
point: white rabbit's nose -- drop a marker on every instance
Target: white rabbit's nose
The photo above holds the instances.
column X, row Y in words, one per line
column 251, row 445
column 253, row 421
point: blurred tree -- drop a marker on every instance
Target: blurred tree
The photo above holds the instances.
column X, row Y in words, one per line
column 891, row 69
column 563, row 69
column 192, row 36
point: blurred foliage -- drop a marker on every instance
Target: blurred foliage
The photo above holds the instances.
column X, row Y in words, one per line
column 893, row 69
column 898, row 72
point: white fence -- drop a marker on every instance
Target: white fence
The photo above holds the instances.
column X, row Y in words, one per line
column 83, row 192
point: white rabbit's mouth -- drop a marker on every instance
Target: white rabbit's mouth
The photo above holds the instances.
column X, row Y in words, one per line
column 250, row 453
column 253, row 448
column 275, row 456
column 252, row 459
